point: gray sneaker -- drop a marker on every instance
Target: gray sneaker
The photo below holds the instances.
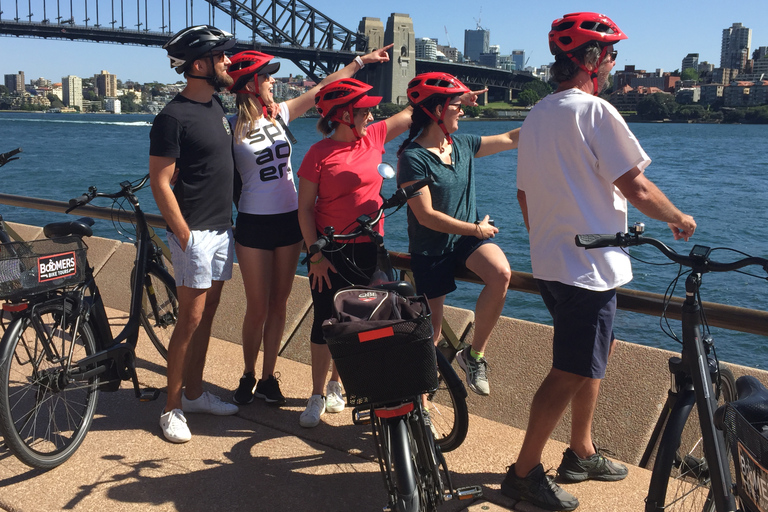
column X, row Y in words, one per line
column 595, row 467
column 476, row 370
column 538, row 488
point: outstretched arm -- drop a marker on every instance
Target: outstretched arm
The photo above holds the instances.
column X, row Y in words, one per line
column 492, row 144
column 298, row 106
column 646, row 197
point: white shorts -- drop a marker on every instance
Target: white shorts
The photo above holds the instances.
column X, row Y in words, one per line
column 209, row 257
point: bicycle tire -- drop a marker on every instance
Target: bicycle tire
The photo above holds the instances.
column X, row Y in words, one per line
column 159, row 307
column 43, row 417
column 431, row 487
column 680, row 477
column 406, row 476
column 448, row 407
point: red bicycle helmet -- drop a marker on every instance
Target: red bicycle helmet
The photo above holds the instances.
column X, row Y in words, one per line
column 428, row 85
column 574, row 31
column 332, row 99
column 245, row 65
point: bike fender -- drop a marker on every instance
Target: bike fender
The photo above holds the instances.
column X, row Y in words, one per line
column 7, row 343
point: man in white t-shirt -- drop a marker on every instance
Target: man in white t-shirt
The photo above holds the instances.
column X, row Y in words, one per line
column 578, row 165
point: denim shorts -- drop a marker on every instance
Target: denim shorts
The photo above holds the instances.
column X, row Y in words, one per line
column 583, row 321
column 434, row 275
column 209, row 257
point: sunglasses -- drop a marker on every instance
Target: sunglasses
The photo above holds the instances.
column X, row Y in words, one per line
column 457, row 105
column 218, row 56
column 613, row 55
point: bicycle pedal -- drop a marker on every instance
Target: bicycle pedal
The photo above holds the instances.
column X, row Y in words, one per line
column 361, row 417
column 469, row 492
column 149, row 395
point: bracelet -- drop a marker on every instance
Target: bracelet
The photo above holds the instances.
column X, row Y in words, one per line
column 359, row 62
column 318, row 261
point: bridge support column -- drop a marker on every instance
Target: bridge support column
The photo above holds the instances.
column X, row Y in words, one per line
column 402, row 68
column 373, row 29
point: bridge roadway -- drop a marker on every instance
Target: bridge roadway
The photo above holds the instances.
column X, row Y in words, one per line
column 262, row 459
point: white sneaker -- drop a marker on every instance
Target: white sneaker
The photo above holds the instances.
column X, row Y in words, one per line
column 311, row 415
column 174, row 426
column 208, row 403
column 334, row 402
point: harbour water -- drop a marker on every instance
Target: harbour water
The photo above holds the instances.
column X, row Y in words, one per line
column 717, row 173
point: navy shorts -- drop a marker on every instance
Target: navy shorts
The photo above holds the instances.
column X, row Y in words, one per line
column 268, row 232
column 434, row 276
column 583, row 321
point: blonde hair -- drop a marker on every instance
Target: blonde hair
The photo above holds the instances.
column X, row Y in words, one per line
column 247, row 104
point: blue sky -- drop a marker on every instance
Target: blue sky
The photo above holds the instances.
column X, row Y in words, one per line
column 661, row 33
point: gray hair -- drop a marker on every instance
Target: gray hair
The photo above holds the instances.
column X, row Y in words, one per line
column 564, row 69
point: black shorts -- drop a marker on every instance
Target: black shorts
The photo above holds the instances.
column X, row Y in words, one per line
column 583, row 321
column 268, row 232
column 434, row 276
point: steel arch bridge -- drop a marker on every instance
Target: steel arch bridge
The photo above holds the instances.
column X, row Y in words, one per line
column 288, row 29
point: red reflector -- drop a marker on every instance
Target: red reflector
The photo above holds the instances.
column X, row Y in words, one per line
column 14, row 307
column 393, row 412
column 375, row 335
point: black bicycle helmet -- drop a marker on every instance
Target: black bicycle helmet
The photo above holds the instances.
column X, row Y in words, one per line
column 188, row 45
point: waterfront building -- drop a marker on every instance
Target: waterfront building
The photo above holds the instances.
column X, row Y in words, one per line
column 758, row 95
column 113, row 105
column 626, row 98
column 476, row 42
column 664, row 81
column 724, row 75
column 688, row 95
column 426, row 48
column 72, row 89
column 105, row 84
column 691, row 61
column 625, row 76
column 15, row 83
column 710, row 93
column 734, row 49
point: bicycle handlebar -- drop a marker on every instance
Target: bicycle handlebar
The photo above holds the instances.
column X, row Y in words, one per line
column 10, row 155
column 698, row 259
column 127, row 189
column 366, row 222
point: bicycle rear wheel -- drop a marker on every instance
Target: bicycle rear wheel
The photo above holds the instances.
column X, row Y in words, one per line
column 159, row 308
column 448, row 407
column 681, row 480
column 401, row 454
column 44, row 416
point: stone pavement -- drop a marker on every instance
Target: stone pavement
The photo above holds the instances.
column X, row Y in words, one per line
column 259, row 459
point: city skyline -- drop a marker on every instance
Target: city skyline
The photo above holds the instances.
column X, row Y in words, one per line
column 657, row 37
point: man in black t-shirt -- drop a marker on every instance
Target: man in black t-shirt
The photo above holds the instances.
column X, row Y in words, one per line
column 192, row 171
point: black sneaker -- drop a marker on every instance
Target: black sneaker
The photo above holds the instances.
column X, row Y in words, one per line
column 244, row 393
column 595, row 467
column 537, row 488
column 269, row 390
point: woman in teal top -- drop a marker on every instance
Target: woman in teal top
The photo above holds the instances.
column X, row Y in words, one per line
column 444, row 229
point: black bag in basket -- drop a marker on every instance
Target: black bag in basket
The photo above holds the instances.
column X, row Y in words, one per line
column 382, row 345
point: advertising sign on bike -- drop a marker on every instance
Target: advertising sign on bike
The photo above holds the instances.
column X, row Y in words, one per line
column 754, row 479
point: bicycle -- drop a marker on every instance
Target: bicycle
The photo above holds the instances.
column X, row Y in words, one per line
column 390, row 377
column 698, row 478
column 58, row 352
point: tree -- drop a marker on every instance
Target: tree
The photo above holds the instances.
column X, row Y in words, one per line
column 471, row 111
column 55, row 101
column 656, row 107
column 490, row 113
column 540, row 87
column 386, row 110
column 4, row 91
column 689, row 74
column 528, row 98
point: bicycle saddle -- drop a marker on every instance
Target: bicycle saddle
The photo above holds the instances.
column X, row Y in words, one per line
column 752, row 403
column 402, row 288
column 79, row 227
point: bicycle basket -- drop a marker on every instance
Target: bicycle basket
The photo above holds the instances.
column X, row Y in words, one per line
column 749, row 449
column 30, row 268
column 382, row 345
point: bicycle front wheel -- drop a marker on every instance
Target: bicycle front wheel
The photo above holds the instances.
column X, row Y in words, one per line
column 159, row 308
column 681, row 479
column 45, row 415
column 448, row 407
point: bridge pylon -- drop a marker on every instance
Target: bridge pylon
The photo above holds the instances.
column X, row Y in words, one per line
column 391, row 80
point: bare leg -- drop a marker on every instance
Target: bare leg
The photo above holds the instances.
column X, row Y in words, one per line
column 256, row 268
column 436, row 306
column 321, row 359
column 198, row 347
column 491, row 265
column 582, row 412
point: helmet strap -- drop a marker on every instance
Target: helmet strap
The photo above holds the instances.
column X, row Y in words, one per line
column 440, row 120
column 339, row 117
column 592, row 73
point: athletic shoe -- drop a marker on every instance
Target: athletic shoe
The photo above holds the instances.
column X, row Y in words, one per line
column 244, row 393
column 594, row 467
column 476, row 370
column 538, row 488
column 207, row 403
column 334, row 402
column 174, row 426
column 269, row 390
column 311, row 415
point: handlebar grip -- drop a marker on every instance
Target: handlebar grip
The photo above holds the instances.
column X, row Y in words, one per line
column 83, row 199
column 317, row 246
column 597, row 241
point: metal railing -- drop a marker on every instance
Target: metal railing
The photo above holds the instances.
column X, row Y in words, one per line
column 718, row 315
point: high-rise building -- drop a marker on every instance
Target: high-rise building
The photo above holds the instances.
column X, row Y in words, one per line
column 72, row 89
column 518, row 57
column 690, row 61
column 476, row 42
column 734, row 50
column 15, row 83
column 105, row 84
column 426, row 48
